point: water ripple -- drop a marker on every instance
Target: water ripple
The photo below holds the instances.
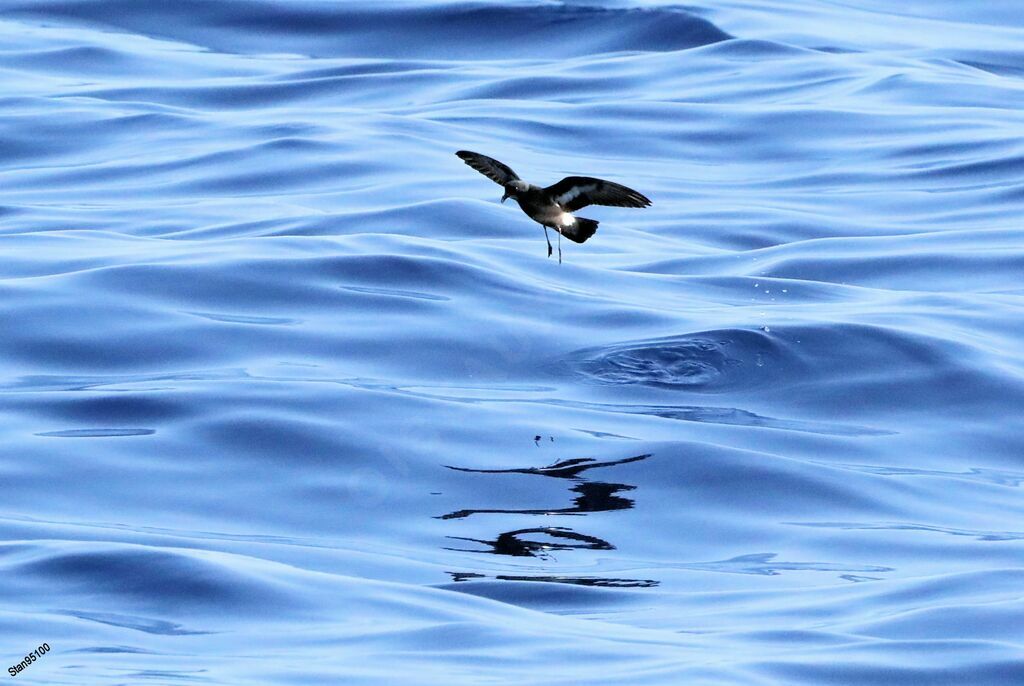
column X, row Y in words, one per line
column 343, row 410
column 97, row 433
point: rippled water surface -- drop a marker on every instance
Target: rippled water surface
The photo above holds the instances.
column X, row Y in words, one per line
column 288, row 397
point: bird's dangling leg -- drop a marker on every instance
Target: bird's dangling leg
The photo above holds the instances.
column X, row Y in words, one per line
column 559, row 246
column 548, row 239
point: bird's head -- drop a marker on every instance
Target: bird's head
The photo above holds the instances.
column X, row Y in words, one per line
column 513, row 189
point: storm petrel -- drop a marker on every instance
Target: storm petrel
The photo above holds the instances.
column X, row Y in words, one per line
column 552, row 207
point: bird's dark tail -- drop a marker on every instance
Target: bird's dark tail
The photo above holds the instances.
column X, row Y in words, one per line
column 581, row 230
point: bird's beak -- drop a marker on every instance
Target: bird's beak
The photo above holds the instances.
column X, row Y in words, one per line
column 504, row 197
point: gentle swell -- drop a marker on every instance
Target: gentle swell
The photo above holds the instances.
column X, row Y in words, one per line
column 288, row 396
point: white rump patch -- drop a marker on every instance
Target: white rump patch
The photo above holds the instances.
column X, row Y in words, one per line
column 566, row 219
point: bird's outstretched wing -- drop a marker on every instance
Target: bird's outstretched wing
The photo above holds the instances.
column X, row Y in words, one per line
column 488, row 166
column 574, row 192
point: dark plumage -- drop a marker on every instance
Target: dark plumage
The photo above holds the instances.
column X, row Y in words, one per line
column 552, row 207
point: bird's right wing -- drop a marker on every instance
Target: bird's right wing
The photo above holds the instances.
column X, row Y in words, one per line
column 488, row 166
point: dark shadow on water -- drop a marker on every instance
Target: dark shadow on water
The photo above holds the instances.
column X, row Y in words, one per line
column 540, row 542
column 597, row 582
column 511, row 543
column 564, row 469
column 96, row 433
column 144, row 624
column 593, row 497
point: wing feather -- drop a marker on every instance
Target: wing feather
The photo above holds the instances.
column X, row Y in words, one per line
column 488, row 166
column 575, row 192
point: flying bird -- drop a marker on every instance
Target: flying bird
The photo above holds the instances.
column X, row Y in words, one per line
column 553, row 207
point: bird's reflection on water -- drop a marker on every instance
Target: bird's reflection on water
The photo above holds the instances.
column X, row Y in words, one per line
column 565, row 469
column 540, row 542
column 510, row 543
column 593, row 497
column 574, row 580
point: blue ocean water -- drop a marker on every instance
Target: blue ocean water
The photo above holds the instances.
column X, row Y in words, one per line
column 288, row 397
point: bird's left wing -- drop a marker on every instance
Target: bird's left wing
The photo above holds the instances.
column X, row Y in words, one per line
column 488, row 166
column 574, row 192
